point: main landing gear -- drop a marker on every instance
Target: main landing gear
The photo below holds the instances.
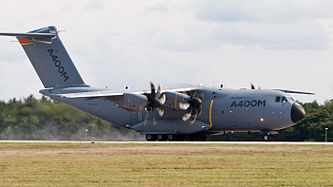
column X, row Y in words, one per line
column 151, row 137
column 176, row 137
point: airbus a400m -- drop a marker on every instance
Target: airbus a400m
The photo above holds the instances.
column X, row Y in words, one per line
column 183, row 113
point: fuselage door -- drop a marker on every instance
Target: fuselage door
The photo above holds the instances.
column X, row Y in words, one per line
column 233, row 119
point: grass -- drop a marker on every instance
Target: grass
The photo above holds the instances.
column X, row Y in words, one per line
column 165, row 165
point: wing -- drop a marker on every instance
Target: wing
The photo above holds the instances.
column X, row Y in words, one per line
column 187, row 98
column 294, row 92
column 96, row 94
column 130, row 100
column 114, row 93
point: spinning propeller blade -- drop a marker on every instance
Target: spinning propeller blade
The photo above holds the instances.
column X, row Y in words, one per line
column 156, row 98
column 194, row 107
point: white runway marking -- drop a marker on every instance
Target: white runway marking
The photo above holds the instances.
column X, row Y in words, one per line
column 166, row 142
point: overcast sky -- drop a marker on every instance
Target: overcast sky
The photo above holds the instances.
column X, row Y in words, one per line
column 276, row 44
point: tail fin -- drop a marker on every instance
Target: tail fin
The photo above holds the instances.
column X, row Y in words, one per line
column 49, row 57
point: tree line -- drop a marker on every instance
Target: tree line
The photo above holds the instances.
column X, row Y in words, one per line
column 38, row 119
column 41, row 119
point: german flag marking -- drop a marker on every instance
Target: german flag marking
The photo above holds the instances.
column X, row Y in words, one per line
column 22, row 42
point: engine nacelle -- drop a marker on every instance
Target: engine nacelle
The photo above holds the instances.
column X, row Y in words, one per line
column 176, row 101
column 131, row 102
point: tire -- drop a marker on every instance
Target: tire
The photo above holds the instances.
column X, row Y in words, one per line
column 172, row 137
column 161, row 137
column 151, row 137
column 267, row 137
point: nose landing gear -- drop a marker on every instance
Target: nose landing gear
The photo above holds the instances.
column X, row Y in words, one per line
column 268, row 137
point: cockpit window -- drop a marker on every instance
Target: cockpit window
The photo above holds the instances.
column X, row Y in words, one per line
column 284, row 100
column 290, row 98
column 277, row 99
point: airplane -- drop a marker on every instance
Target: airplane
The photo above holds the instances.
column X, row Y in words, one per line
column 175, row 113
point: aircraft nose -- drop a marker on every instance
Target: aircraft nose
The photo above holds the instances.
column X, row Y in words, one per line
column 297, row 113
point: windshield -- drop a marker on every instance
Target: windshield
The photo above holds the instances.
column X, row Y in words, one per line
column 284, row 99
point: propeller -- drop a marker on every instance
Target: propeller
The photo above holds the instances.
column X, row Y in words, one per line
column 252, row 86
column 193, row 107
column 156, row 98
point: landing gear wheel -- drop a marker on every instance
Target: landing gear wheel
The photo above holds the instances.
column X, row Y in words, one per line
column 267, row 137
column 172, row 137
column 151, row 137
column 161, row 137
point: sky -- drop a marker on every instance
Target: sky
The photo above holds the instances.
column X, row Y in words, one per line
column 285, row 44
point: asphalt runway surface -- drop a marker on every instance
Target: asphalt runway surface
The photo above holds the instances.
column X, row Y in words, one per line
column 171, row 142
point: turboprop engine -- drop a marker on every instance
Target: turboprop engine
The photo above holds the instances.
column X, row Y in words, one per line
column 176, row 101
column 131, row 102
column 190, row 104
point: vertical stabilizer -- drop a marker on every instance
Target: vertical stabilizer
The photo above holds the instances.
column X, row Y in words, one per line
column 49, row 57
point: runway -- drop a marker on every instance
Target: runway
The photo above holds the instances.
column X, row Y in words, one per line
column 168, row 142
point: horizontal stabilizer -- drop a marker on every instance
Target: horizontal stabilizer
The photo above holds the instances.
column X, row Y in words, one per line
column 27, row 38
column 34, row 35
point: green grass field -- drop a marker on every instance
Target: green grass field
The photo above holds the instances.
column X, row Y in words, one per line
column 165, row 165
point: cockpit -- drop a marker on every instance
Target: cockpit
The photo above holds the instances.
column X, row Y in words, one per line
column 284, row 99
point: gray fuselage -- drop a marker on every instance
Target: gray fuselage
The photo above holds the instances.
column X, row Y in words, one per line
column 222, row 110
